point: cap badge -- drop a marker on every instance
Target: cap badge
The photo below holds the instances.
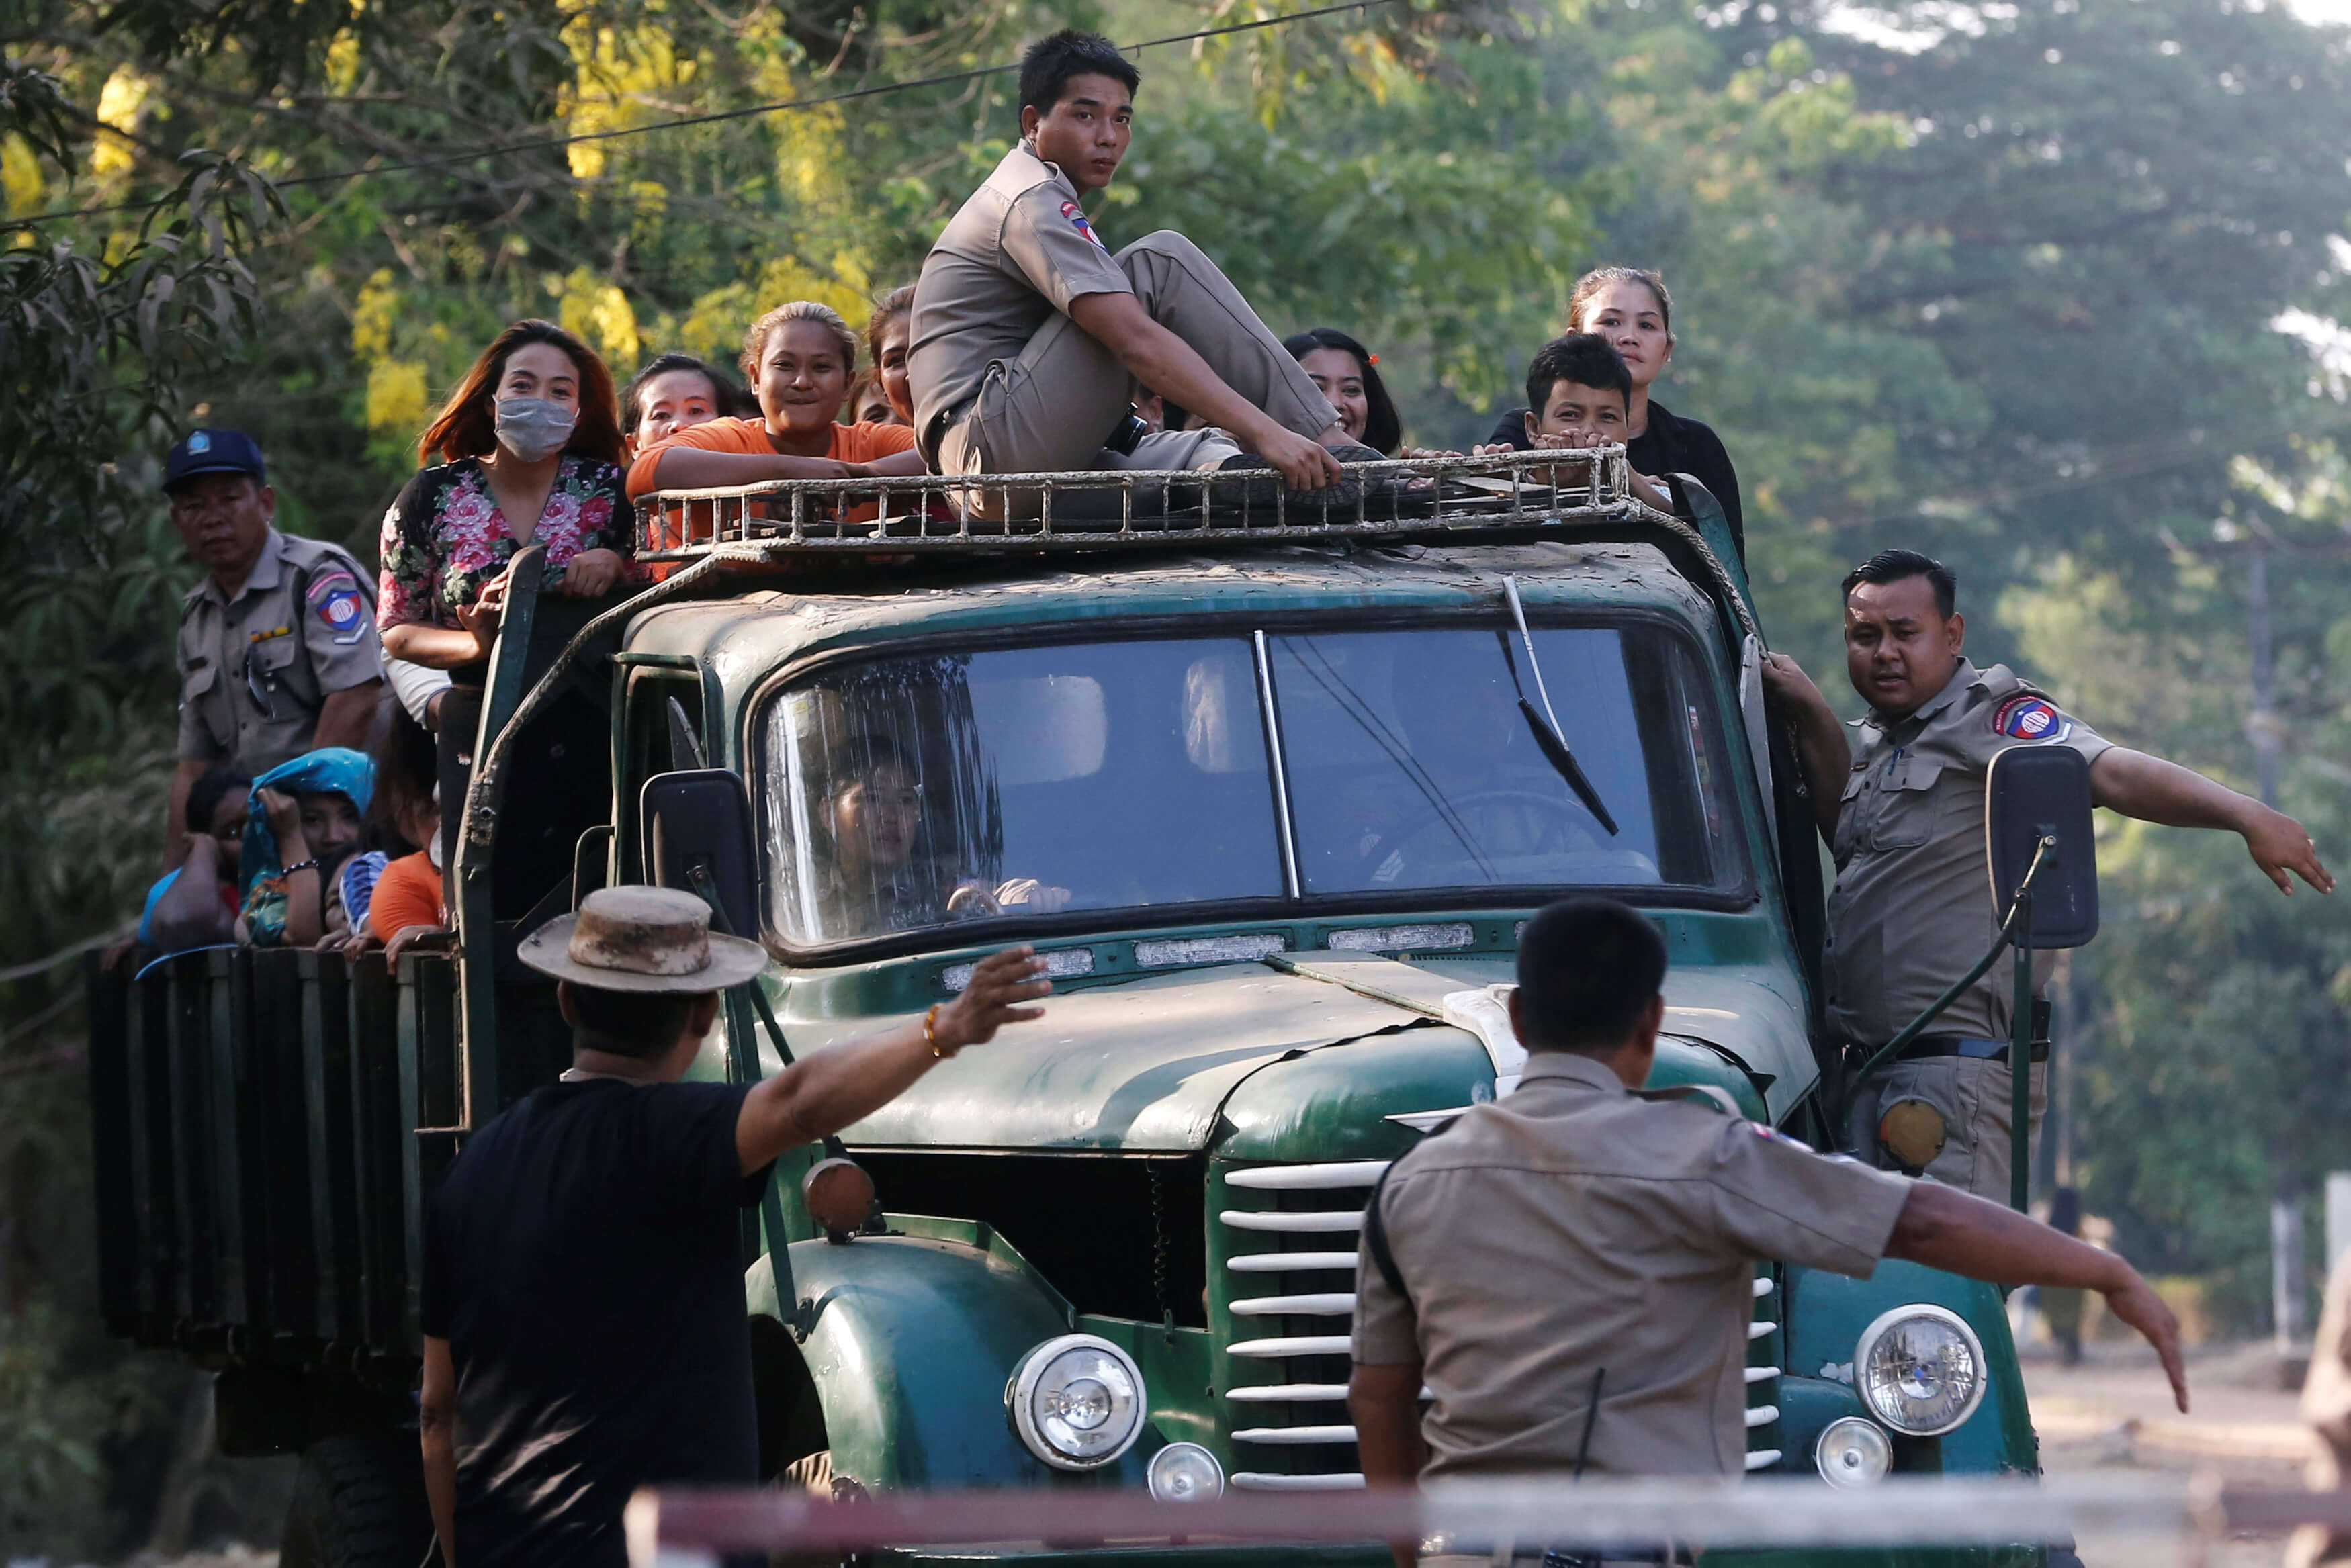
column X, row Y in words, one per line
column 200, row 443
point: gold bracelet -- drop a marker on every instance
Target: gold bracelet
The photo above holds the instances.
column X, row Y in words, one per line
column 931, row 1032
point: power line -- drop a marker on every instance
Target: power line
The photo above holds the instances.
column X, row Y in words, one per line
column 437, row 160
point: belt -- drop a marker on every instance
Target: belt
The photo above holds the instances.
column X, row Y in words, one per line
column 1968, row 1045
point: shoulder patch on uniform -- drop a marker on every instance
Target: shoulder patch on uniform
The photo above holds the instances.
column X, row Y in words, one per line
column 341, row 605
column 2026, row 717
column 1077, row 216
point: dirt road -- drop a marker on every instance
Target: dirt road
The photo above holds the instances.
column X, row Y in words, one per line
column 2114, row 1409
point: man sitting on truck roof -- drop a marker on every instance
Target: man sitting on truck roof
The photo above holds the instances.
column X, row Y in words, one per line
column 583, row 1310
column 1028, row 333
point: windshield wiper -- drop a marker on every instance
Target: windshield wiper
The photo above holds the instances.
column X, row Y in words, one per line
column 1544, row 726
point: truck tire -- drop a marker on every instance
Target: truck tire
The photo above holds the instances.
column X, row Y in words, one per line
column 359, row 1502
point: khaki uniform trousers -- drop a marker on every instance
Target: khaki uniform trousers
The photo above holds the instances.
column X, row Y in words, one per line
column 1974, row 1095
column 1046, row 410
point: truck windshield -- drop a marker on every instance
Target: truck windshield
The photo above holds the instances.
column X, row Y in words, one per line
column 907, row 792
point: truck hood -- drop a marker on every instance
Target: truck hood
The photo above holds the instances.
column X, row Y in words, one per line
column 1148, row 1064
column 1141, row 1064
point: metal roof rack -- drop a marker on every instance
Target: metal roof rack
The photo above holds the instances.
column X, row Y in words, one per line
column 951, row 512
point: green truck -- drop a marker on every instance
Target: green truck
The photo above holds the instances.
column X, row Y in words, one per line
column 1271, row 791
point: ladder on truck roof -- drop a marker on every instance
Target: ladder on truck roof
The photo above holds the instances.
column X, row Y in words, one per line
column 1024, row 512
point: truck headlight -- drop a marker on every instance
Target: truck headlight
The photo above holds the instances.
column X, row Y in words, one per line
column 1184, row 1472
column 1076, row 1401
column 1920, row 1370
column 1852, row 1451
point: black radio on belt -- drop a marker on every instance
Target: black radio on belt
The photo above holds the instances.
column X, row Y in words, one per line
column 1129, row 434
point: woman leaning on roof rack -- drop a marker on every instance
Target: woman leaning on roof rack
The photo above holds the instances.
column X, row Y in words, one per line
column 799, row 358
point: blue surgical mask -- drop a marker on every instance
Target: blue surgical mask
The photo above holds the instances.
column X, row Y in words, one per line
column 534, row 429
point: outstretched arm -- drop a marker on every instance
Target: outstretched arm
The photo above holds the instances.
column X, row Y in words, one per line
column 1385, row 1403
column 1960, row 1234
column 1167, row 365
column 826, row 1092
column 2153, row 790
column 1820, row 744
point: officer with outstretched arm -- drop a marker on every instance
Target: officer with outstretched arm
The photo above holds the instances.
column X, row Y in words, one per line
column 1903, row 809
column 1580, row 1236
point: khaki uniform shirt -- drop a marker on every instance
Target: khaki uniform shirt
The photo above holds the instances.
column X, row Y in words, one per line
column 255, row 672
column 1019, row 251
column 1575, row 1226
column 1913, row 906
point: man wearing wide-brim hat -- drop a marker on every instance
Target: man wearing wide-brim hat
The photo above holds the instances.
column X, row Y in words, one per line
column 585, row 1331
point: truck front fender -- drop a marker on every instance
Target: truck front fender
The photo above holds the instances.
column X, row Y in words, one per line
column 1827, row 1312
column 912, row 1340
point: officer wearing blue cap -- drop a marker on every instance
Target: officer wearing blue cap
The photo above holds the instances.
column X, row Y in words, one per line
column 277, row 646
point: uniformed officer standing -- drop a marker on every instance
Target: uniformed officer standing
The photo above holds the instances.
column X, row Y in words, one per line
column 1028, row 337
column 1904, row 811
column 1579, row 1236
column 277, row 650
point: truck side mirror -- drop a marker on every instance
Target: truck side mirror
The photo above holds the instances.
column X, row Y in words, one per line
column 701, row 819
column 2032, row 793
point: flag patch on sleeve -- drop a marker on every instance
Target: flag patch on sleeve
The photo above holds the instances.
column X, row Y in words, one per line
column 1077, row 216
column 2032, row 719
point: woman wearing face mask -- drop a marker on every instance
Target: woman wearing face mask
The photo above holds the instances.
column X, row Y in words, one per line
column 533, row 448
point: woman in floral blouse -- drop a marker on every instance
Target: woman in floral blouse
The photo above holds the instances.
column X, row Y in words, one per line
column 533, row 439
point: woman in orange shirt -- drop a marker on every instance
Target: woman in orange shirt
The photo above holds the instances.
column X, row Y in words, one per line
column 799, row 358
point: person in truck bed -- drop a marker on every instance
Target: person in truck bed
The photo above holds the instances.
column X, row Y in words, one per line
column 1028, row 333
column 799, row 358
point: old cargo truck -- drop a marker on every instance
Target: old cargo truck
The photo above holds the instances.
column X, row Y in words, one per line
column 1272, row 791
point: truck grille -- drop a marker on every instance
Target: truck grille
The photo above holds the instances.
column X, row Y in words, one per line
column 1283, row 1305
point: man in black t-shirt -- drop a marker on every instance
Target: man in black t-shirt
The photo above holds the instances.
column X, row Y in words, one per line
column 585, row 1331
